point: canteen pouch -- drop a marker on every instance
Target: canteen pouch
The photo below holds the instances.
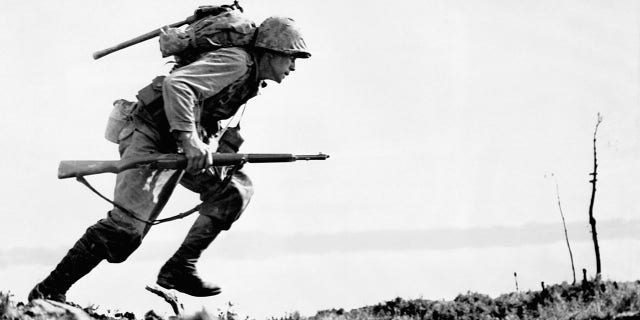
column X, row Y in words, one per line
column 120, row 116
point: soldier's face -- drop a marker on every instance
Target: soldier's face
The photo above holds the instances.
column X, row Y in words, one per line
column 281, row 66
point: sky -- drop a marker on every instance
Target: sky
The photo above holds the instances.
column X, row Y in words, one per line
column 453, row 128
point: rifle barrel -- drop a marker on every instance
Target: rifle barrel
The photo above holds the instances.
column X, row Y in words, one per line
column 280, row 157
column 319, row 156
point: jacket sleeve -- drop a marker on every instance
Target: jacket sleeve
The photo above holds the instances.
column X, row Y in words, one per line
column 184, row 89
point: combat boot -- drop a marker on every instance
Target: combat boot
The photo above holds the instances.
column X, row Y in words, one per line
column 179, row 272
column 41, row 291
column 79, row 260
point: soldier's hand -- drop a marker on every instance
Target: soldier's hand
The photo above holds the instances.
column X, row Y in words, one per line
column 197, row 152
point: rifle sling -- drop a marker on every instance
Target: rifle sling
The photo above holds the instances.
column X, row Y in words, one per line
column 133, row 215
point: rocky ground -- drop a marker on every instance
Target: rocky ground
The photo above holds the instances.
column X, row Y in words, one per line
column 587, row 300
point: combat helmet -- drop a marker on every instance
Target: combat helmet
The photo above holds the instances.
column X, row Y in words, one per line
column 280, row 34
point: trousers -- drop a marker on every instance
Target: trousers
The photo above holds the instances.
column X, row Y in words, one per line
column 146, row 191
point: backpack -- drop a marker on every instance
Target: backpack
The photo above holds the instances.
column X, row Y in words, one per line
column 214, row 27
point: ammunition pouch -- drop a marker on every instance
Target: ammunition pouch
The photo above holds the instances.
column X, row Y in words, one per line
column 152, row 92
column 151, row 112
column 230, row 141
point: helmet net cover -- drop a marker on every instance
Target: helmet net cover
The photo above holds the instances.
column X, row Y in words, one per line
column 281, row 34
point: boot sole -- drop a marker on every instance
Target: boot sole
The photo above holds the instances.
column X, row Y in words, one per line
column 169, row 286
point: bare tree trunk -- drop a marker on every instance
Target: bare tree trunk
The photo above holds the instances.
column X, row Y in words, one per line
column 592, row 220
column 566, row 235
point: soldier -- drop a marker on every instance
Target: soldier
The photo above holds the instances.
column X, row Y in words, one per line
column 194, row 98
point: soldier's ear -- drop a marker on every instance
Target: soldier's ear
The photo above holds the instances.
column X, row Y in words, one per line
column 269, row 55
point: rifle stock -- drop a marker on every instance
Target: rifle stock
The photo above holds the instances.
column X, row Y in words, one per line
column 77, row 168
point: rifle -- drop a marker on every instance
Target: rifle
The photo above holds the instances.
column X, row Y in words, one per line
column 201, row 12
column 79, row 168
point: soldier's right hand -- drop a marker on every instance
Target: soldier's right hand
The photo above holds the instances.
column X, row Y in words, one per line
column 197, row 152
